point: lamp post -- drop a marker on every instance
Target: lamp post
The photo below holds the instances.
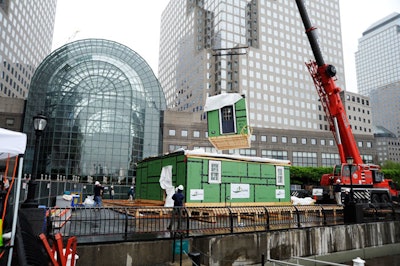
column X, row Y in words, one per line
column 39, row 124
column 350, row 161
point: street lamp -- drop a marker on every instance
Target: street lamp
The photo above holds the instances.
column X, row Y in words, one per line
column 39, row 124
column 350, row 161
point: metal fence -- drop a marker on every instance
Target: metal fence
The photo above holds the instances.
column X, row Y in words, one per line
column 48, row 190
column 137, row 223
column 144, row 223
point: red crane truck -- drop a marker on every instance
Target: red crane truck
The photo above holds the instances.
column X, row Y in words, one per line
column 366, row 181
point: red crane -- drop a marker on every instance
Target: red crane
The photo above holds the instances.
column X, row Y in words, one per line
column 363, row 177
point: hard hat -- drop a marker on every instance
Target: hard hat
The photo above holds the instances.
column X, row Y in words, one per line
column 97, row 183
column 338, row 181
column 132, row 187
column 180, row 187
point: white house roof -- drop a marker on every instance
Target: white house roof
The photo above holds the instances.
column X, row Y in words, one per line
column 218, row 101
column 202, row 153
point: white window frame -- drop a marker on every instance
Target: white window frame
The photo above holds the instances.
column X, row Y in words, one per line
column 214, row 172
column 280, row 176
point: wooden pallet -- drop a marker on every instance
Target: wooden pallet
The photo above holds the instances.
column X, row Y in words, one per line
column 228, row 142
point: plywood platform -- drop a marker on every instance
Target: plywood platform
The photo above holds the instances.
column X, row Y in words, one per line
column 227, row 142
column 131, row 203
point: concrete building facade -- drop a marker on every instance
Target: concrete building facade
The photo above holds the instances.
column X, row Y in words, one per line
column 26, row 35
column 301, row 147
column 258, row 49
column 11, row 113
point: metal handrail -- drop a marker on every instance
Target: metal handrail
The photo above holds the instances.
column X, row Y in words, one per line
column 319, row 261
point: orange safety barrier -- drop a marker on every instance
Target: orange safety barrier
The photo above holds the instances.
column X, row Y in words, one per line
column 57, row 253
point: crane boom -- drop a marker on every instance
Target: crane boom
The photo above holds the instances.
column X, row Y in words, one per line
column 368, row 179
column 323, row 76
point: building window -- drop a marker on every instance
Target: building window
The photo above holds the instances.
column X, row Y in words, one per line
column 214, row 172
column 244, row 152
column 304, row 158
column 284, row 139
column 329, row 159
column 280, row 176
column 313, row 141
column 303, row 141
column 171, row 132
column 184, row 133
column 173, row 148
column 280, row 155
column 264, row 138
column 294, row 140
column 196, row 134
column 323, row 143
column 274, row 139
column 10, row 122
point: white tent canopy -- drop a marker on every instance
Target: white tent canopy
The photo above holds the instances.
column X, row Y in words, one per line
column 11, row 143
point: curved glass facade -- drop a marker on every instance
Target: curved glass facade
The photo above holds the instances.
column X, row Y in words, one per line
column 104, row 106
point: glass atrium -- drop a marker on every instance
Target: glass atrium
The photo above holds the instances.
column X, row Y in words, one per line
column 104, row 107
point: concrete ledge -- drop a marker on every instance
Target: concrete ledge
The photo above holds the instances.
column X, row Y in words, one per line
column 339, row 243
column 364, row 253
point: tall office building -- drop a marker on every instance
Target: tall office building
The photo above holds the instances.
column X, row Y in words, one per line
column 378, row 75
column 385, row 103
column 26, row 35
column 256, row 48
column 377, row 58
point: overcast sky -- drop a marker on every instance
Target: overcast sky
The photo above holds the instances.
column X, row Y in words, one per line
column 136, row 24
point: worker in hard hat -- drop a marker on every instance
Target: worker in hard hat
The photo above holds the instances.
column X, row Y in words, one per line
column 338, row 192
column 98, row 194
column 131, row 193
column 112, row 192
column 179, row 199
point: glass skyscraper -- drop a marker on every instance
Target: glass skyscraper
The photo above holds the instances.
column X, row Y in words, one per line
column 257, row 48
column 26, row 35
column 378, row 55
column 104, row 106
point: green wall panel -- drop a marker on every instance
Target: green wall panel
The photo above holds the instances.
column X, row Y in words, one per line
column 213, row 123
column 265, row 194
column 212, row 193
column 192, row 173
column 254, row 170
column 241, row 117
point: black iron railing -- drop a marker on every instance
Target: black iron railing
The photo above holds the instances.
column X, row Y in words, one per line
column 130, row 223
column 116, row 224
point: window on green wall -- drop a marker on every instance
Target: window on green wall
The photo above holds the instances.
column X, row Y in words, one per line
column 280, row 176
column 214, row 172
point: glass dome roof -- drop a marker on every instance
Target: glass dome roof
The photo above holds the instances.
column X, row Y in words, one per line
column 104, row 106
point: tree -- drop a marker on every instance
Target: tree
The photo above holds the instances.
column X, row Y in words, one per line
column 301, row 175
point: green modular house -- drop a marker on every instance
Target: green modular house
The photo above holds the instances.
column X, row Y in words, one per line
column 227, row 120
column 212, row 179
